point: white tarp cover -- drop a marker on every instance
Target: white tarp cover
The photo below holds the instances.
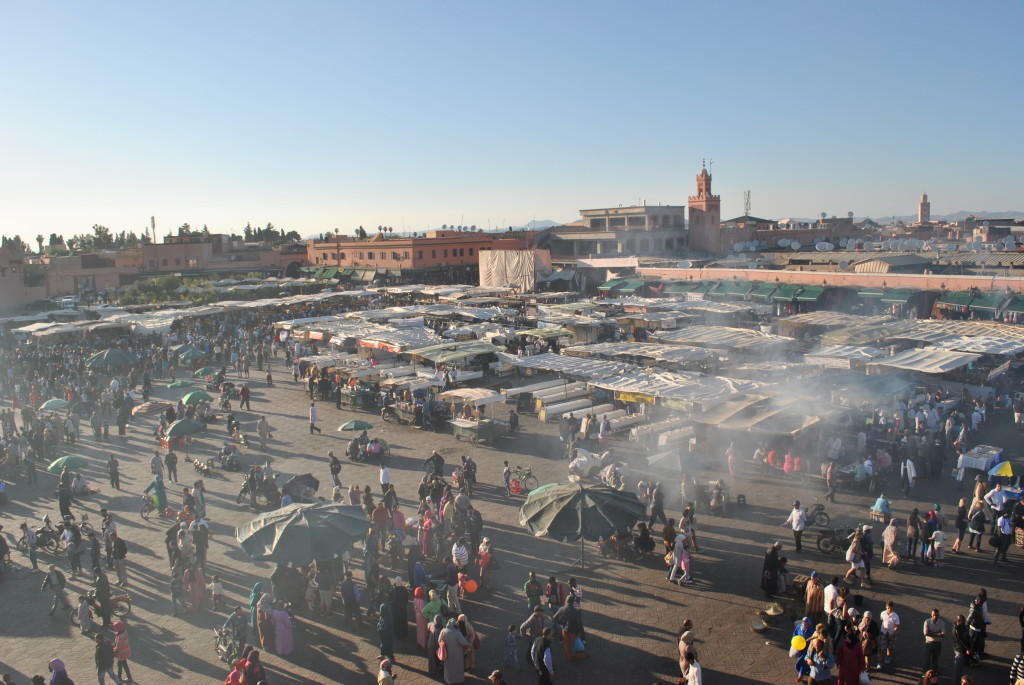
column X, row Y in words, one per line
column 983, row 345
column 758, row 414
column 570, row 366
column 671, row 354
column 842, row 356
column 689, row 387
column 835, row 319
column 722, row 336
column 453, row 351
column 609, row 262
column 477, row 396
column 924, row 360
column 501, row 268
column 933, row 330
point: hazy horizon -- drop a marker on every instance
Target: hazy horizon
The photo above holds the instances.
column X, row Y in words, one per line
column 321, row 115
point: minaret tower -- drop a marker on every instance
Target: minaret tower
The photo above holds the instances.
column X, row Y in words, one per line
column 924, row 210
column 705, row 212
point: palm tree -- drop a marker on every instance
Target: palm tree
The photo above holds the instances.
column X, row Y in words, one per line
column 39, row 239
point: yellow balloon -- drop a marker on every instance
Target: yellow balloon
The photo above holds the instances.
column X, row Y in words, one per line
column 798, row 642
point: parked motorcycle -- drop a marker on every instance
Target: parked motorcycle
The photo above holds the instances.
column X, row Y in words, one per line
column 834, row 541
column 817, row 516
column 120, row 606
column 238, row 436
column 229, row 457
column 224, row 645
column 47, row 538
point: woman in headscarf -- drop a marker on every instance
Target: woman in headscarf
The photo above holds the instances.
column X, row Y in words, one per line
column 868, row 638
column 237, row 675
column 814, row 597
column 254, row 598
column 420, row 577
column 770, row 570
column 804, row 629
column 686, row 638
column 433, row 640
column 850, row 660
column 384, row 675
column 59, row 671
column 284, row 638
column 456, row 644
column 400, row 609
column 426, row 537
column 195, row 586
column 418, row 602
column 385, row 632
column 468, row 632
column 265, row 622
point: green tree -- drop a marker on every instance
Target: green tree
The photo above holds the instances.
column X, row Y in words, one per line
column 15, row 244
column 184, row 230
column 247, row 232
column 39, row 239
column 361, row 233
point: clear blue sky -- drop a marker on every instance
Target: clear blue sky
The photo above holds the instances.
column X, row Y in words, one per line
column 315, row 115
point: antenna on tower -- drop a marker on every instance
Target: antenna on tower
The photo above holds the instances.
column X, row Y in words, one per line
column 746, row 203
column 152, row 224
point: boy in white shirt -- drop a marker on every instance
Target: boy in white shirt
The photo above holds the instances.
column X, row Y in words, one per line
column 938, row 539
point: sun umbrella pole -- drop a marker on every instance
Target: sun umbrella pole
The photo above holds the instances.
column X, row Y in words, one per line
column 582, row 561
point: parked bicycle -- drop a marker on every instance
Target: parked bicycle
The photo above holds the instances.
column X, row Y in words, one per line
column 523, row 481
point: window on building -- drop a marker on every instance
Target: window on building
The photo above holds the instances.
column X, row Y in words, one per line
column 617, row 221
column 405, row 255
column 360, row 255
column 644, row 245
column 395, row 256
column 419, row 254
column 470, row 252
column 163, row 262
column 341, row 255
column 369, row 255
column 177, row 261
column 636, row 221
column 433, row 254
column 446, row 253
column 152, row 264
column 597, row 223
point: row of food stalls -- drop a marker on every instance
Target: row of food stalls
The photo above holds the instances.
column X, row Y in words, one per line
column 792, row 298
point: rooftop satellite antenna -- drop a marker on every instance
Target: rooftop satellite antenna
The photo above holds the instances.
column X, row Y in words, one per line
column 746, row 203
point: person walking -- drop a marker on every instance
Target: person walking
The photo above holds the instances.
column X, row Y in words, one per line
column 119, row 550
column 263, row 430
column 56, row 581
column 31, row 540
column 658, row 506
column 830, row 483
column 571, row 620
column 335, row 466
column 934, row 631
column 313, row 428
column 122, row 651
column 113, row 471
column 1004, row 535
column 156, row 465
column 171, row 461
column 961, row 647
column 797, row 520
column 890, row 625
column 104, row 658
column 542, row 659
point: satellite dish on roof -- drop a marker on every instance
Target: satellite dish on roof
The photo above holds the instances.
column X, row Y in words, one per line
column 869, row 245
column 685, row 264
column 831, row 246
column 851, row 245
column 785, row 242
column 795, row 245
column 984, row 223
column 949, row 247
column 844, row 265
column 751, row 265
column 821, row 247
column 738, row 247
column 843, row 242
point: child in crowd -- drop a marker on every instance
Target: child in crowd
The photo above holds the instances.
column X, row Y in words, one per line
column 216, row 591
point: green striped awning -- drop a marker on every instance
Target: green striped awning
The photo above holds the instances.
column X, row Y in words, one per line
column 628, row 285
column 786, row 293
column 763, row 291
column 987, row 303
column 956, row 299
column 733, row 288
column 811, row 293
column 898, row 296
column 610, row 285
column 873, row 293
column 1016, row 305
column 678, row 287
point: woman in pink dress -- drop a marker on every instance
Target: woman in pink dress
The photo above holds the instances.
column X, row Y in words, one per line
column 425, row 530
column 418, row 602
column 850, row 660
column 283, row 630
column 195, row 586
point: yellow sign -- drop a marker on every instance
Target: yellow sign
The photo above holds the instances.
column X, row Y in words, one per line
column 634, row 397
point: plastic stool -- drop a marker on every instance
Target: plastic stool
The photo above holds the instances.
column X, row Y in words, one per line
column 741, row 500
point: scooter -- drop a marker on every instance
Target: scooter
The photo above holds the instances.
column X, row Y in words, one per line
column 817, row 516
column 224, row 645
column 46, row 537
column 229, row 457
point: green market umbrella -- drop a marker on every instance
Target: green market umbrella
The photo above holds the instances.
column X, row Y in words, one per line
column 183, row 348
column 190, row 356
column 196, row 396
column 570, row 511
column 300, row 533
column 180, row 429
column 55, row 404
column 111, row 358
column 355, row 426
column 204, row 371
column 72, row 461
column 180, row 384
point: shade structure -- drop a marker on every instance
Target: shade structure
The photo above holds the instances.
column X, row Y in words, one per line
column 190, row 356
column 300, row 533
column 185, row 427
column 196, row 397
column 72, row 461
column 204, row 371
column 111, row 358
column 180, row 384
column 297, row 484
column 55, row 404
column 151, row 407
column 1003, row 469
column 571, row 511
column 183, row 348
column 355, row 426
